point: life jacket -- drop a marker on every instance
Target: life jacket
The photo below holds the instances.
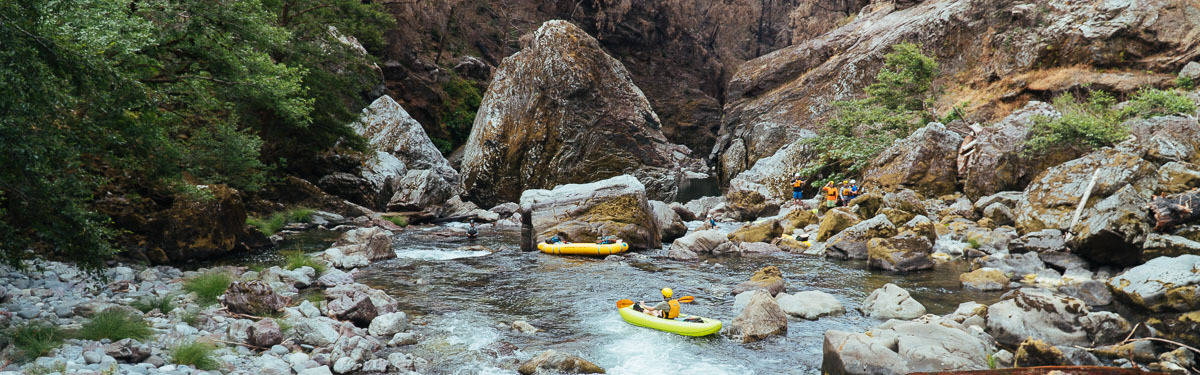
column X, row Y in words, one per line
column 854, row 189
column 830, row 193
column 845, row 191
column 673, row 311
column 797, row 185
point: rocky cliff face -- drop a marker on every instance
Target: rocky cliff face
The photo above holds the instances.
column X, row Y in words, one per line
column 563, row 111
column 680, row 52
column 993, row 54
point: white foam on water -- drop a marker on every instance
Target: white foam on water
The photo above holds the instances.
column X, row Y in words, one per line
column 465, row 331
column 432, row 254
column 638, row 350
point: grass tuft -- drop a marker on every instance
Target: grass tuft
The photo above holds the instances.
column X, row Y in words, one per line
column 35, row 339
column 191, row 317
column 116, row 323
column 296, row 259
column 271, row 224
column 208, row 286
column 164, row 304
column 196, row 354
column 399, row 220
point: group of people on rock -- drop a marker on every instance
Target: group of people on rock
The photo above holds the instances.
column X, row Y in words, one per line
column 836, row 195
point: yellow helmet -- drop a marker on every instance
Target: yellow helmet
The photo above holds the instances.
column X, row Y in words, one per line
column 667, row 292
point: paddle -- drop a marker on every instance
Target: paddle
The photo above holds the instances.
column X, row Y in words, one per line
column 628, row 302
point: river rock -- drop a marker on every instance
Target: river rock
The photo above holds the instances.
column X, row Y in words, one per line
column 253, row 298
column 769, row 278
column 834, row 222
column 563, row 111
column 584, row 212
column 851, row 353
column 761, row 318
column 700, row 242
column 316, row 331
column 1105, row 327
column 389, row 324
column 851, row 243
column 300, row 278
column 1038, row 314
column 1016, row 266
column 1112, row 228
column 810, row 304
column 333, row 277
column 1002, row 159
column 1165, row 245
column 1183, row 327
column 371, row 243
column 390, row 130
column 984, row 279
column 670, row 225
column 420, row 189
column 683, row 212
column 127, row 350
column 702, row 207
column 554, row 361
column 999, row 214
column 925, row 160
column 1176, row 177
column 1033, row 352
column 1168, row 138
column 891, row 302
column 764, row 230
column 1162, row 284
column 358, row 303
column 264, row 333
column 195, row 229
column 868, row 203
column 1042, row 241
column 903, row 253
column 929, row 343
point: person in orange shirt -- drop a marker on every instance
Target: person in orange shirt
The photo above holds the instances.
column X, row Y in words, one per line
column 831, row 195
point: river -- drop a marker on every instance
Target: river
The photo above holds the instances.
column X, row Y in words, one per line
column 466, row 298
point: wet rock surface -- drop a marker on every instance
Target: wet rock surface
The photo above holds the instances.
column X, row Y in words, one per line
column 584, row 212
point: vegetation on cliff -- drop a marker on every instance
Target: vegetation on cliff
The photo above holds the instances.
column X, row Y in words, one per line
column 147, row 98
column 1098, row 121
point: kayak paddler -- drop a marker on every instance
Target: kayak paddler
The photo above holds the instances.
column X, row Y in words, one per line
column 667, row 309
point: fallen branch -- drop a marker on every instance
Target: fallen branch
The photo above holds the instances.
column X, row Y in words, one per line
column 1171, row 211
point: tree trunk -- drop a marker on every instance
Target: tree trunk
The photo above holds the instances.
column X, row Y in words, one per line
column 1175, row 210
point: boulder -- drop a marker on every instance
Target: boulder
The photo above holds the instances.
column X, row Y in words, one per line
column 868, row 203
column 1165, row 245
column 851, row 243
column 1037, row 314
column 810, row 304
column 961, row 207
column 670, row 225
column 905, row 200
column 1162, row 284
column 563, row 111
column 1006, row 198
column 1002, row 160
column 1042, row 241
column 1191, row 71
column 683, row 212
column 767, row 183
column 702, row 207
column 756, row 248
column 700, row 242
column 834, row 222
column 769, row 278
column 298, row 278
column 506, row 209
column 253, row 298
column 891, row 302
column 584, row 212
column 927, row 344
column 850, row 353
column 264, row 333
column 925, row 161
column 389, row 324
column 1016, row 266
column 764, row 230
column 1033, row 352
column 984, row 279
column 1112, row 226
column 1176, row 177
column 556, row 362
column 1105, row 327
column 761, row 318
column 747, row 205
column 420, row 189
column 355, row 308
column 1183, row 327
column 903, row 253
column 196, row 229
column 382, row 302
column 798, row 218
column 1168, row 138
column 127, row 350
column 1091, row 292
column 998, row 214
column 372, row 243
column 922, row 226
column 316, row 331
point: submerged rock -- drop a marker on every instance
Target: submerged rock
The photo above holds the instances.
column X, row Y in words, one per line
column 584, row 212
column 761, row 318
column 563, row 111
column 554, row 361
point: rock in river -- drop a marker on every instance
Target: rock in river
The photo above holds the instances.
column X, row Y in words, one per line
column 563, row 111
column 769, row 278
column 1040, row 315
column 761, row 318
column 892, row 302
column 583, row 212
column 899, row 347
column 554, row 361
column 852, row 242
column 903, row 253
column 810, row 304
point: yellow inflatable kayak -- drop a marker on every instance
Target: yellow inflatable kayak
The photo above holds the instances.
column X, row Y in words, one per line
column 677, row 326
column 582, row 248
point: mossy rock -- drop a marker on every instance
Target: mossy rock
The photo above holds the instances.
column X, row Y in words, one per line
column 1033, row 353
column 797, row 219
column 868, row 204
column 835, row 221
column 1184, row 328
column 896, row 215
column 748, row 205
column 760, row 231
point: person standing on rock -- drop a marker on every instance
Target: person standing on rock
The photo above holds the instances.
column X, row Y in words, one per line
column 831, row 195
column 797, row 191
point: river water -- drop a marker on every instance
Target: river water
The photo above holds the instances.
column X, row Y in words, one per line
column 466, row 297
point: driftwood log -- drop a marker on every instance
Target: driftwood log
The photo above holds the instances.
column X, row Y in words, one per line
column 1174, row 210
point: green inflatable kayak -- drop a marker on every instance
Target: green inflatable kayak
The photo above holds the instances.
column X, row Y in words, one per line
column 705, row 327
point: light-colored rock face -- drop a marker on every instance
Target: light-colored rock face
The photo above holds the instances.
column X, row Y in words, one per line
column 984, row 279
column 925, row 161
column 700, row 242
column 1001, row 160
column 771, row 176
column 809, row 304
column 981, row 44
column 584, row 212
column 1040, row 315
column 1111, row 228
column 903, row 253
column 1162, row 284
column 670, row 225
column 1168, row 138
column 564, row 111
column 891, row 302
column 761, row 318
column 851, row 243
column 901, row 347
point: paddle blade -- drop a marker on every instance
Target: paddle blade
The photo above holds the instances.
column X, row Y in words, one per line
column 687, row 299
column 624, row 303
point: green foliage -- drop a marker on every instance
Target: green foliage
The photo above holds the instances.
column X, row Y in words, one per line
column 1089, row 124
column 35, row 339
column 196, row 354
column 140, row 96
column 896, row 105
column 458, row 116
column 973, row 243
column 164, row 304
column 116, row 323
column 1186, row 83
column 399, row 220
column 271, row 224
column 991, row 361
column 208, row 286
column 1151, row 102
column 296, row 259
